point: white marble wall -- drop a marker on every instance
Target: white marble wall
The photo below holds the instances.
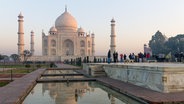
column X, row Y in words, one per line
column 136, row 75
column 162, row 78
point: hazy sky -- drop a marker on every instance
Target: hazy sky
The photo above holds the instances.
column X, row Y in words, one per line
column 136, row 21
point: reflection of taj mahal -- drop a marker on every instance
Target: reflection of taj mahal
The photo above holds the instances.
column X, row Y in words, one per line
column 65, row 93
column 72, row 93
column 66, row 39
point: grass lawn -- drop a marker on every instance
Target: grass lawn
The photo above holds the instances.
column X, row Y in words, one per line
column 12, row 66
column 3, row 84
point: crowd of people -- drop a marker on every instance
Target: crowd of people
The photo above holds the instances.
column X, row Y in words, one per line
column 140, row 57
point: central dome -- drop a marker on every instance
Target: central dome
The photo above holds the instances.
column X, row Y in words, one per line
column 66, row 21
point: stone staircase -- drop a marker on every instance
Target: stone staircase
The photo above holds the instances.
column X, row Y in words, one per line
column 97, row 71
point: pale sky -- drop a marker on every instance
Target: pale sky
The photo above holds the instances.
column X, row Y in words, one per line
column 136, row 21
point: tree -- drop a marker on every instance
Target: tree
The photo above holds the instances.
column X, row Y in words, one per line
column 5, row 58
column 176, row 44
column 27, row 54
column 157, row 43
column 1, row 57
column 15, row 57
column 161, row 45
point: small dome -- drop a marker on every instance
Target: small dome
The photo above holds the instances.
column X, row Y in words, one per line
column 81, row 30
column 53, row 29
column 66, row 20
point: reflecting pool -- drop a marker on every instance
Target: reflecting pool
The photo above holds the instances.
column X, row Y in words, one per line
column 60, row 77
column 75, row 93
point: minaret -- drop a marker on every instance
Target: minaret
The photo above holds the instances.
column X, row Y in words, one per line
column 20, row 35
column 93, row 44
column 113, row 37
column 32, row 43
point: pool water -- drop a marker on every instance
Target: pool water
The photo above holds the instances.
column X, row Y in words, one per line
column 75, row 93
column 60, row 77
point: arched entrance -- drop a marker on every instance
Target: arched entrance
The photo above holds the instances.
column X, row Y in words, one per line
column 68, row 47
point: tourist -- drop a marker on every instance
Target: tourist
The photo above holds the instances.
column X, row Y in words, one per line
column 147, row 56
column 130, row 56
column 140, row 55
column 125, row 57
column 109, row 57
column 133, row 56
column 114, row 57
column 121, row 57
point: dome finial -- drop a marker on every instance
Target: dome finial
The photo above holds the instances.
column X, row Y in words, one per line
column 112, row 19
column 65, row 8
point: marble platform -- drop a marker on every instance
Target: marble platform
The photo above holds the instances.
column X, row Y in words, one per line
column 161, row 77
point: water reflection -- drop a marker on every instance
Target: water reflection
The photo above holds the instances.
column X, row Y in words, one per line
column 74, row 93
column 61, row 77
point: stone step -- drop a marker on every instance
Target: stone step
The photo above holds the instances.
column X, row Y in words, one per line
column 62, row 75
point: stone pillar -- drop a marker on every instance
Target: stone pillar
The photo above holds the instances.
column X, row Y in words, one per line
column 32, row 43
column 113, row 37
column 93, row 44
column 20, row 35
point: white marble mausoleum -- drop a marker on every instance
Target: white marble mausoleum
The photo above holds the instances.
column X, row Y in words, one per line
column 66, row 39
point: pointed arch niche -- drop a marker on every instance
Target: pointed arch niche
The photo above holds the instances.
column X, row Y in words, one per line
column 68, row 47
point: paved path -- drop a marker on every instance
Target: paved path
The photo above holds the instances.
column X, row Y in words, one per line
column 65, row 66
column 16, row 91
column 152, row 97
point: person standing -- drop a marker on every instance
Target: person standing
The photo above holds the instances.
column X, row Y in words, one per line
column 121, row 57
column 114, row 57
column 125, row 57
column 109, row 57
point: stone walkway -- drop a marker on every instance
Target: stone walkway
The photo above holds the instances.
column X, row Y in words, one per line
column 150, row 96
column 16, row 91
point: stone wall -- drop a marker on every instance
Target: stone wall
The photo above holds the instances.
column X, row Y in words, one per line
column 155, row 76
column 138, row 75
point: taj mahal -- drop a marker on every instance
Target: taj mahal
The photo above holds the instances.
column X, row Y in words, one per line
column 64, row 40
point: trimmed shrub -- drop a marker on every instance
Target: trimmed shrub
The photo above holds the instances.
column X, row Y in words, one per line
column 27, row 65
